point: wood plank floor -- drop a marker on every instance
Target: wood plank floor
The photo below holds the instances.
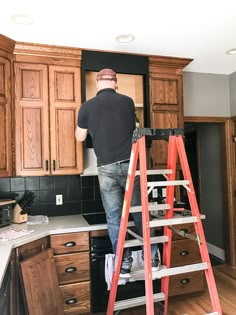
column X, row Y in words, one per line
column 225, row 277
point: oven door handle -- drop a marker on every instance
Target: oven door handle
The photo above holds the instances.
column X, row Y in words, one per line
column 96, row 256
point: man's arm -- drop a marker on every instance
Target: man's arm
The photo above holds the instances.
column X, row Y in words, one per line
column 81, row 133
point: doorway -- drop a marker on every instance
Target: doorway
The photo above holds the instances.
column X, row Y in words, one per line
column 204, row 149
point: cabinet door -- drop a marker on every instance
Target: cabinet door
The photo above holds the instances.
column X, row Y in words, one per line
column 22, row 253
column 32, row 122
column 166, row 111
column 5, row 119
column 41, row 286
column 65, row 100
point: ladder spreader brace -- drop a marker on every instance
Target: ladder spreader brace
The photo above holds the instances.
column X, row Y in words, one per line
column 184, row 234
column 176, row 150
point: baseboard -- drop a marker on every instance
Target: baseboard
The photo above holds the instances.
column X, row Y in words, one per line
column 216, row 251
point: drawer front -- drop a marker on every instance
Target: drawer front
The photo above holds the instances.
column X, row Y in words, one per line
column 72, row 267
column 187, row 228
column 184, row 252
column 186, row 283
column 70, row 243
column 76, row 298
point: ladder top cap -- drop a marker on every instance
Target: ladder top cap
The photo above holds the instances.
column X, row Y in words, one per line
column 156, row 134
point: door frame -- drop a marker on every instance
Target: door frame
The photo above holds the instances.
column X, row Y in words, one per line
column 228, row 168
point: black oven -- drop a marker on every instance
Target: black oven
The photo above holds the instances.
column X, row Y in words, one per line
column 99, row 247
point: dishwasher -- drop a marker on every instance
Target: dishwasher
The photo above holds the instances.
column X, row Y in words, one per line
column 99, row 247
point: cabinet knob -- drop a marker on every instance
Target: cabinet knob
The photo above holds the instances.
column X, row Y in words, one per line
column 184, row 253
column 70, row 244
column 70, row 269
column 71, row 301
column 185, row 280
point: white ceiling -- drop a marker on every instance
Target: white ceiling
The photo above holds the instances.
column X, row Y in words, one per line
column 199, row 29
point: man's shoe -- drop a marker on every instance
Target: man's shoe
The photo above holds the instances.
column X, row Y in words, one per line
column 125, row 273
column 156, row 265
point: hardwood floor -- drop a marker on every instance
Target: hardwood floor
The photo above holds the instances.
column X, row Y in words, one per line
column 225, row 277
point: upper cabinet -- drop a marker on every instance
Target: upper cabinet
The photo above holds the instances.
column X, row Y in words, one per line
column 47, row 100
column 6, row 144
column 166, row 101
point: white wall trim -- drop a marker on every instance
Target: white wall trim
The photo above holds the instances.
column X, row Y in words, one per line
column 216, row 251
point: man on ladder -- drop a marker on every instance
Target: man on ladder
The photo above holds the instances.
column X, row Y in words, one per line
column 109, row 118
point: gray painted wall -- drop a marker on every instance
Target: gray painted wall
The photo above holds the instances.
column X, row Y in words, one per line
column 232, row 84
column 209, row 95
column 206, row 94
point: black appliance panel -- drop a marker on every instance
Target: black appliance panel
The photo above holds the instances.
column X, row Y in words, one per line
column 99, row 218
column 100, row 246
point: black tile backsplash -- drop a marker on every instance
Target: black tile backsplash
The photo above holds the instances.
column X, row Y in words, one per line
column 81, row 194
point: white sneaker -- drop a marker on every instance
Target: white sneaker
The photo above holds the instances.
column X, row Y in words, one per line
column 125, row 273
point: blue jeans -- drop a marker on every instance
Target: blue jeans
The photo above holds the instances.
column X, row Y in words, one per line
column 112, row 182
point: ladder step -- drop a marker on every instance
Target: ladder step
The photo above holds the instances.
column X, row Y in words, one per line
column 153, row 240
column 173, row 221
column 165, row 272
column 179, row 270
column 151, row 207
column 120, row 305
column 215, row 313
column 156, row 172
column 168, row 183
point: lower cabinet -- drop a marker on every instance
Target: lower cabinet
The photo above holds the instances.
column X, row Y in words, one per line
column 5, row 293
column 71, row 255
column 185, row 252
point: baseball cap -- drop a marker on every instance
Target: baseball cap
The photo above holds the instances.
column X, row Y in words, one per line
column 106, row 72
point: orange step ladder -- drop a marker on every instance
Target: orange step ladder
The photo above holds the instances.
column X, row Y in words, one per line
column 176, row 150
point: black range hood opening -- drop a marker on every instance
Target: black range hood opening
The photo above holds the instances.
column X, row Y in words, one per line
column 94, row 61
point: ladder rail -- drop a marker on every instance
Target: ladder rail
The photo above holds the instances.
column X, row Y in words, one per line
column 123, row 227
column 146, row 228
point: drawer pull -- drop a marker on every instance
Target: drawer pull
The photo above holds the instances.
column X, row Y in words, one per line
column 70, row 244
column 184, row 253
column 70, row 269
column 71, row 301
column 185, row 281
column 184, row 230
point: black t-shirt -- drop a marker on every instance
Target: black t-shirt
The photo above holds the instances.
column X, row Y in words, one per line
column 110, row 120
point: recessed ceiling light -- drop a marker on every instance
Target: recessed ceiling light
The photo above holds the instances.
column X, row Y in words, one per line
column 231, row 51
column 24, row 19
column 125, row 38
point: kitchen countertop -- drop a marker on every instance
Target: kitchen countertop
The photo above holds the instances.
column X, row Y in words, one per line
column 56, row 225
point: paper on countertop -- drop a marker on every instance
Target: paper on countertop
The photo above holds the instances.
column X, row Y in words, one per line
column 37, row 219
column 12, row 234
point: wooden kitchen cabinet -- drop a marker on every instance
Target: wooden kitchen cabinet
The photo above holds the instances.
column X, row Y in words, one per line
column 47, row 100
column 71, row 255
column 6, row 134
column 166, row 101
column 185, row 252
